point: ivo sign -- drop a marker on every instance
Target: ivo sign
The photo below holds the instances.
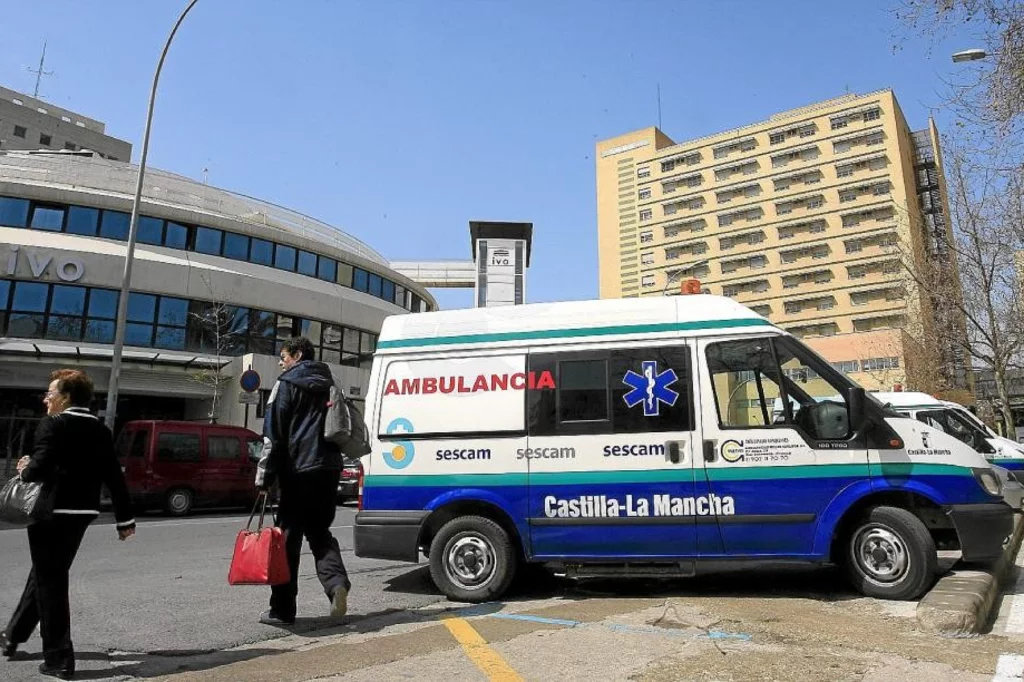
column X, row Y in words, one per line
column 65, row 268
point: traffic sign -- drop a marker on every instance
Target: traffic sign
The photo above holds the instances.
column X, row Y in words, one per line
column 249, row 398
column 249, row 381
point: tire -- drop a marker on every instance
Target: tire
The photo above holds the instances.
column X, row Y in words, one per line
column 472, row 559
column 889, row 554
column 179, row 501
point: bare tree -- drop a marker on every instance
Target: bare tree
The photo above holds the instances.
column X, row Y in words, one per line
column 222, row 334
column 967, row 278
column 988, row 93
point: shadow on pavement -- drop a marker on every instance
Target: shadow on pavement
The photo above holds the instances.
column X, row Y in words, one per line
column 536, row 582
column 150, row 664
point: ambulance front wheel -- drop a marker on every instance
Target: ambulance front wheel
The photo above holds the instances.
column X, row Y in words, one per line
column 890, row 554
column 472, row 559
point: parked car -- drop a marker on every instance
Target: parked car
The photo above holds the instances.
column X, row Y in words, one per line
column 178, row 466
column 348, row 486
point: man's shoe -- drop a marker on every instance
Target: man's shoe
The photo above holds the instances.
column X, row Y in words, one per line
column 7, row 647
column 271, row 618
column 339, row 602
column 64, row 670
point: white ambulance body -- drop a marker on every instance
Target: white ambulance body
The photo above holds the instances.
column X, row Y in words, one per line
column 637, row 437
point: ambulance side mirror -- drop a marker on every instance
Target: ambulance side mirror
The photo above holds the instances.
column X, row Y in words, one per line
column 855, row 398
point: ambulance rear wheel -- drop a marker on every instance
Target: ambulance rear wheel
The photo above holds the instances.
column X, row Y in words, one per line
column 472, row 559
column 890, row 554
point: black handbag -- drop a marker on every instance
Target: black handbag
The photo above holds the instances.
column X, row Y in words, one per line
column 22, row 502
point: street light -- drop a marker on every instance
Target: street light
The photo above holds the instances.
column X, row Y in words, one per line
column 969, row 55
column 122, row 303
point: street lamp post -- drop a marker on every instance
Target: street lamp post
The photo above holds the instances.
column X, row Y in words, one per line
column 122, row 303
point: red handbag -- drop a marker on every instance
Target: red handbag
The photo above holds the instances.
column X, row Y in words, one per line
column 260, row 557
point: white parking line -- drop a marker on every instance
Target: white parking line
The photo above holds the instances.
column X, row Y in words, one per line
column 1010, row 668
column 1015, row 616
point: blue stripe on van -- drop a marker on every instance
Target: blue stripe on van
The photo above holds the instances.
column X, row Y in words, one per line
column 580, row 331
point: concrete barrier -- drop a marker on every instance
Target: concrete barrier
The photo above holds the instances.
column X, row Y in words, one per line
column 960, row 604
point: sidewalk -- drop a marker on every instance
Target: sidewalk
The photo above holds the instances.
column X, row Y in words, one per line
column 752, row 633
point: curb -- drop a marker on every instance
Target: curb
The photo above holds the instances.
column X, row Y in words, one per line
column 960, row 604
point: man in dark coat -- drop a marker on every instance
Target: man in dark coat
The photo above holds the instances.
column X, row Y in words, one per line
column 306, row 469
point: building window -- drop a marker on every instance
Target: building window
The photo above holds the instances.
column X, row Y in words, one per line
column 114, row 225
column 872, row 114
column 647, row 258
column 236, row 246
column 150, row 230
column 82, row 220
column 838, row 123
column 667, row 166
column 284, row 257
column 646, row 237
column 261, row 251
column 327, row 269
column 45, row 139
column 345, row 272
column 209, row 240
column 175, row 236
column 20, row 131
column 646, row 214
column 307, row 263
column 645, row 193
column 48, row 218
column 777, row 138
column 643, row 172
column 647, row 281
column 814, row 203
column 360, row 280
column 376, row 285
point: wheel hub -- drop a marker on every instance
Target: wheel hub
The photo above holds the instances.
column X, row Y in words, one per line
column 470, row 561
column 881, row 554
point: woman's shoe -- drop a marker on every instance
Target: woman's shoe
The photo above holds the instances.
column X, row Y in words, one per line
column 7, row 647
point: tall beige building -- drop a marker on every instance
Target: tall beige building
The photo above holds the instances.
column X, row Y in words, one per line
column 818, row 218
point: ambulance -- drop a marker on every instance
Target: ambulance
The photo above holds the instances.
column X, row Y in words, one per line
column 958, row 421
column 636, row 437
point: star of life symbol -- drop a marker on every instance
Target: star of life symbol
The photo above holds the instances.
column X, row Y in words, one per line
column 651, row 388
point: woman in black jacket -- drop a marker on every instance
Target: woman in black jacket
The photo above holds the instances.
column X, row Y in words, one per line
column 74, row 451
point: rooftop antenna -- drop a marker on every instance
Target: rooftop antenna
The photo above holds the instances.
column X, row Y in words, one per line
column 39, row 72
column 659, row 106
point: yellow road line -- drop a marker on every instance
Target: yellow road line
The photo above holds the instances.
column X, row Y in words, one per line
column 477, row 650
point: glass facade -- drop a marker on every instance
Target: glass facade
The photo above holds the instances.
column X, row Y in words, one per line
column 92, row 222
column 64, row 312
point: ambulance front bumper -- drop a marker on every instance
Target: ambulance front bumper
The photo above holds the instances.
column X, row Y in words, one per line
column 983, row 529
column 392, row 535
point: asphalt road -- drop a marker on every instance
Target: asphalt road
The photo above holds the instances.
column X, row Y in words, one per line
column 164, row 593
column 160, row 604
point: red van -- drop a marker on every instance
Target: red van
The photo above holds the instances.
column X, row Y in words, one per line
column 177, row 466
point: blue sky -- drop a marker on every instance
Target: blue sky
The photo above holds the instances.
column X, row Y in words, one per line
column 402, row 120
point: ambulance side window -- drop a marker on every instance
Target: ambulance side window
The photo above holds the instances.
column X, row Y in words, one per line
column 639, row 390
column 777, row 382
column 958, row 427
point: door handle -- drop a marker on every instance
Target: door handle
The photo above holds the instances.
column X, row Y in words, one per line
column 672, row 451
column 710, row 451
